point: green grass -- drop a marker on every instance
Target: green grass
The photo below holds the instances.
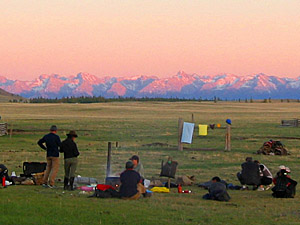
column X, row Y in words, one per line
column 133, row 125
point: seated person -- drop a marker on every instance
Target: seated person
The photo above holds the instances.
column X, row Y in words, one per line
column 265, row 174
column 3, row 173
column 131, row 187
column 138, row 167
column 249, row 174
column 284, row 187
column 217, row 191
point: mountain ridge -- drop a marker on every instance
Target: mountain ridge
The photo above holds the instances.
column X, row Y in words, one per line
column 181, row 85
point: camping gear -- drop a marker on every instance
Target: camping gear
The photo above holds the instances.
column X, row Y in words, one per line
column 155, row 183
column 84, row 181
column 105, row 191
column 187, row 133
column 113, row 181
column 28, row 181
column 160, row 189
column 185, row 180
column 38, row 178
column 33, row 167
column 273, row 148
column 168, row 169
column 202, row 130
column 86, row 188
column 212, row 126
column 3, row 181
column 179, row 188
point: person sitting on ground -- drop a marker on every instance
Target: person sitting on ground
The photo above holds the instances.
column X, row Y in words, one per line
column 217, row 191
column 282, row 167
column 70, row 150
column 249, row 174
column 266, row 176
column 3, row 173
column 131, row 187
column 285, row 187
column 138, row 166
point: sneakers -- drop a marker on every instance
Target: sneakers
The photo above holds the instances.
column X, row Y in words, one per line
column 45, row 185
column 260, row 189
column 244, row 187
column 268, row 187
column 48, row 186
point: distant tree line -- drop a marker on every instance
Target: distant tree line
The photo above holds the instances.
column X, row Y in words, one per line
column 100, row 99
column 87, row 99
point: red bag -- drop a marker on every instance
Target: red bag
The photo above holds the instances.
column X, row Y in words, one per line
column 104, row 187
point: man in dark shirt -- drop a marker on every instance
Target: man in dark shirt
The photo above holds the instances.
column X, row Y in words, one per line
column 52, row 142
column 70, row 150
column 130, row 180
column 217, row 191
column 250, row 174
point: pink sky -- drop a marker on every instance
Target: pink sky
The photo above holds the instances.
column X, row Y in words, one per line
column 143, row 37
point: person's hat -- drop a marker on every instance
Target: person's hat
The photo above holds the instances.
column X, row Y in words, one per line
column 282, row 167
column 72, row 133
column 53, row 128
column 129, row 165
column 134, row 157
column 228, row 121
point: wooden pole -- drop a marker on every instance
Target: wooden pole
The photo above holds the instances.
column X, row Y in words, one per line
column 117, row 144
column 108, row 168
column 228, row 138
column 193, row 118
column 180, row 127
column 11, row 130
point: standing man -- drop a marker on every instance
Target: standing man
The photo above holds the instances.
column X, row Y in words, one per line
column 70, row 150
column 52, row 142
column 137, row 166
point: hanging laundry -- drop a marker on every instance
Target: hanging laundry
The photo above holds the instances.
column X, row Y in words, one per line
column 202, row 130
column 187, row 133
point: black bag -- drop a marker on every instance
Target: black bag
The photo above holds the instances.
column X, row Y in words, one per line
column 33, row 167
column 168, row 169
column 108, row 193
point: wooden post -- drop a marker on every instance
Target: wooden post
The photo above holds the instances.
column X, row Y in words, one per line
column 193, row 118
column 11, row 130
column 228, row 138
column 108, row 168
column 180, row 127
column 117, row 144
column 169, row 179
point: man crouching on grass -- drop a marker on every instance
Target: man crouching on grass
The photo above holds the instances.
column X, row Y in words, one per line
column 131, row 187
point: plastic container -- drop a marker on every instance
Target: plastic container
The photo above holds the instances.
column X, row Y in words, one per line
column 179, row 188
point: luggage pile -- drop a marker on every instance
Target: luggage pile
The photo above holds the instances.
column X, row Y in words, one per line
column 273, row 148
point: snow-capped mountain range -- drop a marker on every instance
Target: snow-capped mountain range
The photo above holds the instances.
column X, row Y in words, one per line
column 181, row 85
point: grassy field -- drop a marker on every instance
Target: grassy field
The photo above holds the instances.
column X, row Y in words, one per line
column 137, row 126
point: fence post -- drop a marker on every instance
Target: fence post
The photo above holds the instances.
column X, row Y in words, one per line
column 180, row 127
column 108, row 168
column 228, row 138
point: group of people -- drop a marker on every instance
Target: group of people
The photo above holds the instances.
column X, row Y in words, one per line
column 259, row 176
column 131, row 179
column 52, row 144
column 253, row 172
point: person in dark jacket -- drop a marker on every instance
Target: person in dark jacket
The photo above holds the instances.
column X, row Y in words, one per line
column 52, row 142
column 70, row 150
column 250, row 174
column 217, row 191
column 285, row 187
column 131, row 187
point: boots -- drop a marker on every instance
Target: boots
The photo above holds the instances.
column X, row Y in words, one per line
column 71, row 188
column 66, row 182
